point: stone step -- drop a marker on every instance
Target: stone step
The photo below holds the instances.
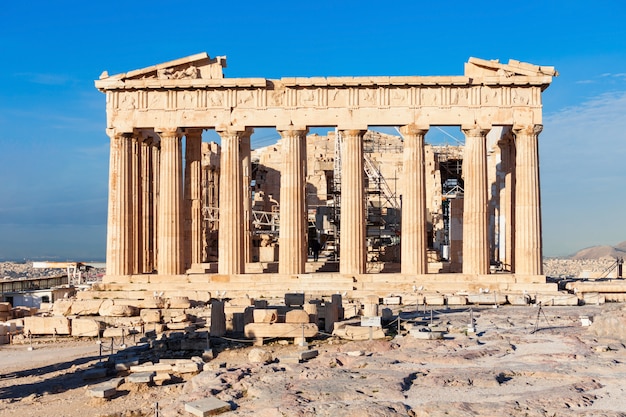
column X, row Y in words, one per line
column 314, row 289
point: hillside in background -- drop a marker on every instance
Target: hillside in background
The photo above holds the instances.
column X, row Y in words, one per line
column 604, row 251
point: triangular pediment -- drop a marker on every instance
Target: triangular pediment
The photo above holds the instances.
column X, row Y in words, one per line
column 483, row 67
column 198, row 66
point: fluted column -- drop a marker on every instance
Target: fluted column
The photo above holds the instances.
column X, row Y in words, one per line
column 414, row 245
column 137, row 203
column 528, row 245
column 193, row 197
column 147, row 207
column 119, row 228
column 170, row 259
column 475, row 202
column 352, row 235
column 231, row 217
column 292, row 241
column 246, row 167
column 156, row 183
column 507, row 203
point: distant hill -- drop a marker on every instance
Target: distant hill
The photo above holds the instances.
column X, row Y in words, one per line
column 597, row 252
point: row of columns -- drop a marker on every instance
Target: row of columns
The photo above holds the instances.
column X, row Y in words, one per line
column 150, row 207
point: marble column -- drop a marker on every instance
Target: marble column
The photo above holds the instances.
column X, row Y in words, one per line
column 506, row 229
column 156, row 175
column 119, row 228
column 231, row 216
column 292, row 242
column 352, row 217
column 246, row 168
column 475, row 202
column 528, row 245
column 193, row 197
column 147, row 207
column 414, row 232
column 137, row 203
column 170, row 258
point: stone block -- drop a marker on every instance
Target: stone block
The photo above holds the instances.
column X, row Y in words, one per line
column 153, row 302
column 389, row 301
column 354, row 332
column 265, row 315
column 260, row 304
column 294, row 299
column 241, row 302
column 423, row 334
column 5, row 306
column 47, row 325
column 105, row 389
column 141, row 377
column 351, row 310
column 297, row 316
column 207, row 407
column 284, row 330
column 493, row 298
column 84, row 327
column 186, row 367
column 86, row 307
column 594, row 298
column 109, row 308
column 126, row 364
column 161, row 378
column 149, row 315
column 370, row 310
column 186, row 326
column 179, row 302
column 518, row 299
column 434, row 300
column 4, row 339
column 559, row 299
column 456, row 300
column 114, row 332
column 62, row 307
column 218, row 319
column 305, row 355
column 150, row 367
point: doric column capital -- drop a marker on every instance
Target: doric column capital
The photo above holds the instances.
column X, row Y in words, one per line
column 116, row 134
column 414, row 130
column 169, row 132
column 475, row 130
column 238, row 131
column 353, row 132
column 292, row 130
column 529, row 130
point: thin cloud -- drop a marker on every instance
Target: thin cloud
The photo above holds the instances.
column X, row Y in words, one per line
column 43, row 78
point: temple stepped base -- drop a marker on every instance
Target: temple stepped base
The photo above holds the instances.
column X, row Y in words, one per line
column 203, row 287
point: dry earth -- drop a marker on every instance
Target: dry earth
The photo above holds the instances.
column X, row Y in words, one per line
column 505, row 368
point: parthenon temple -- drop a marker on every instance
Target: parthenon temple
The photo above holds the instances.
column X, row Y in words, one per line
column 387, row 211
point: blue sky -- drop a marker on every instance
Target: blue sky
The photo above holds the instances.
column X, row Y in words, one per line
column 54, row 150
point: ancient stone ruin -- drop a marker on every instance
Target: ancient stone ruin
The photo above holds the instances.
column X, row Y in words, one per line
column 157, row 232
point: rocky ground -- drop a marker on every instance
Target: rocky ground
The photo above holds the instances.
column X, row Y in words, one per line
column 521, row 361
